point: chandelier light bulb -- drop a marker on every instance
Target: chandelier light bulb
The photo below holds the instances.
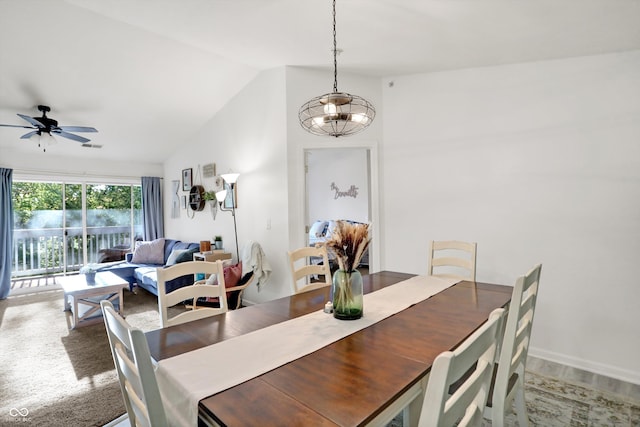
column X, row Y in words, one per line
column 330, row 109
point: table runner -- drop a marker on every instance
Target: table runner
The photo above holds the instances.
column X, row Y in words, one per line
column 186, row 379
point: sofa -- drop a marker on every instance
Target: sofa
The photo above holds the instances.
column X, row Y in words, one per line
column 139, row 267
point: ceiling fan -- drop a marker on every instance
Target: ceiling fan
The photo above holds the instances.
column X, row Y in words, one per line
column 46, row 127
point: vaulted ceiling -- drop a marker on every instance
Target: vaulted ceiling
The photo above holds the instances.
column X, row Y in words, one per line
column 148, row 74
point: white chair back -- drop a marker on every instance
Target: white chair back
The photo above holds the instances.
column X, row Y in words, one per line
column 133, row 363
column 452, row 259
column 467, row 402
column 303, row 268
column 192, row 292
column 509, row 378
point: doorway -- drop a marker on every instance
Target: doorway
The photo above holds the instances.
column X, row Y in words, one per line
column 337, row 187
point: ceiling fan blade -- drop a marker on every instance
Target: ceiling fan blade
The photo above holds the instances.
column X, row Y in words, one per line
column 18, row 126
column 32, row 121
column 71, row 136
column 77, row 129
column 29, row 135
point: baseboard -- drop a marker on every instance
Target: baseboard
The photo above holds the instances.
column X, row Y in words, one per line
column 246, row 303
column 586, row 365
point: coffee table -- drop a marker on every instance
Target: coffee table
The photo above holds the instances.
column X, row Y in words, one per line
column 83, row 298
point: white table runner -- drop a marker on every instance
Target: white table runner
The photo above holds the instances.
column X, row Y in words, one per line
column 186, row 379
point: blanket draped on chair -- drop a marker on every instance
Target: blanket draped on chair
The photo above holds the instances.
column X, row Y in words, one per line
column 254, row 260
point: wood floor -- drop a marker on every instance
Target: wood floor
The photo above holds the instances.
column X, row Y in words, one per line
column 585, row 378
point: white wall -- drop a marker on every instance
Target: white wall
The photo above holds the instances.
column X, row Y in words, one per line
column 331, row 170
column 247, row 136
column 536, row 162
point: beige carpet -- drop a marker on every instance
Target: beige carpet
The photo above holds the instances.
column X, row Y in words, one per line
column 57, row 376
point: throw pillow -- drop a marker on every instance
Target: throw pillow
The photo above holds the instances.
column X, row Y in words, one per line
column 318, row 228
column 232, row 275
column 173, row 256
column 149, row 253
column 187, row 255
column 140, row 242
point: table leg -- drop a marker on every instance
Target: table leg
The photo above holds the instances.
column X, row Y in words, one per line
column 67, row 306
column 75, row 311
column 121, row 305
column 411, row 413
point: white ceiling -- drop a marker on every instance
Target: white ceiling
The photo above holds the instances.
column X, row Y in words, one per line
column 148, row 74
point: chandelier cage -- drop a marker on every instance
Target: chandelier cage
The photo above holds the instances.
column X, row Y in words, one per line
column 336, row 113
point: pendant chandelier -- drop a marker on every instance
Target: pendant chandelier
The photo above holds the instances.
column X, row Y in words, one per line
column 336, row 113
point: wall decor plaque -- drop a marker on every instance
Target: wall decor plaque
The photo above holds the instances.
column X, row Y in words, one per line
column 209, row 170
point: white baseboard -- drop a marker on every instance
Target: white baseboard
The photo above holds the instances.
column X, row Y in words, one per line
column 586, row 365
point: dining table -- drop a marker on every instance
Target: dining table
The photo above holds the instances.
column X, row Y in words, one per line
column 363, row 378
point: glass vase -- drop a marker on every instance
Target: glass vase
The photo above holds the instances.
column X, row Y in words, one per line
column 90, row 278
column 347, row 295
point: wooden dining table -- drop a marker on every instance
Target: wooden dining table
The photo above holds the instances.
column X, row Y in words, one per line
column 363, row 379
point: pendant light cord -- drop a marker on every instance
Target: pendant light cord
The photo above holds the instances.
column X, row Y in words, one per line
column 335, row 52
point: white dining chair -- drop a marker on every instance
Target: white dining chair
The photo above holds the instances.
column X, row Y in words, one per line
column 475, row 358
column 452, row 259
column 135, row 370
column 509, row 377
column 303, row 270
column 192, row 292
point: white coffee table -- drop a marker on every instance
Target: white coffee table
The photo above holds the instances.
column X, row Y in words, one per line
column 83, row 299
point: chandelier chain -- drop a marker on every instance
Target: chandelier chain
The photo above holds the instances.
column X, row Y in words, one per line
column 335, row 52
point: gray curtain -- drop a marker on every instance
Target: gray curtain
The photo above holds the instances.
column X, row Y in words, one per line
column 152, row 216
column 6, row 231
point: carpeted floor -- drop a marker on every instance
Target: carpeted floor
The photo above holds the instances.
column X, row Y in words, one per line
column 61, row 377
column 54, row 376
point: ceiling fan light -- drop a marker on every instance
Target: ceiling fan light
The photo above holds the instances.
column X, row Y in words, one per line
column 47, row 139
column 44, row 128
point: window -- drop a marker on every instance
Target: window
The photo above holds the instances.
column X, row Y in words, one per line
column 59, row 227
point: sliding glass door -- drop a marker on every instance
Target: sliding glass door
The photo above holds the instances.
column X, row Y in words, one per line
column 59, row 227
column 38, row 235
column 73, row 227
column 113, row 214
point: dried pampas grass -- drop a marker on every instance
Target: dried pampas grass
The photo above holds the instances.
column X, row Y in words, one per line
column 348, row 242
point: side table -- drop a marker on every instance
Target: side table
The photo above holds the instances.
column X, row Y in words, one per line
column 211, row 256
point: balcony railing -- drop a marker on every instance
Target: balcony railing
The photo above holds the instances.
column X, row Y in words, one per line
column 41, row 251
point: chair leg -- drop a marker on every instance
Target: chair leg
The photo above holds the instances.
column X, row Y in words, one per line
column 497, row 418
column 521, row 405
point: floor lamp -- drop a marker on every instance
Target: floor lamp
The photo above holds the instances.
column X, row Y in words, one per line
column 231, row 179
